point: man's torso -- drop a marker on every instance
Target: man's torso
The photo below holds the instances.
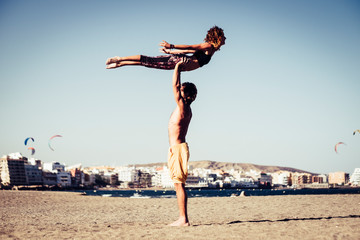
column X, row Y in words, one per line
column 178, row 125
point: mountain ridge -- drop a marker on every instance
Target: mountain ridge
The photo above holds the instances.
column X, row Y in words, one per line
column 227, row 166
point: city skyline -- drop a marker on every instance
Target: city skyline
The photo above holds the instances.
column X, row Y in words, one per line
column 192, row 164
column 17, row 170
column 282, row 91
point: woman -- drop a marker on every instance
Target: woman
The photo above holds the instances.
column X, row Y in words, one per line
column 201, row 54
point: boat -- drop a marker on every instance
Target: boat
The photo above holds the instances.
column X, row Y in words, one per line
column 138, row 195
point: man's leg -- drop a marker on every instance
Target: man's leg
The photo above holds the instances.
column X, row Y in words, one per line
column 182, row 204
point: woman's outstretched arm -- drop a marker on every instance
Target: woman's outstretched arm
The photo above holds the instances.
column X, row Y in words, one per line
column 202, row 46
column 168, row 51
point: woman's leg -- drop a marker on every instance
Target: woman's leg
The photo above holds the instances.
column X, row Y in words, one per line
column 166, row 62
column 122, row 63
column 117, row 59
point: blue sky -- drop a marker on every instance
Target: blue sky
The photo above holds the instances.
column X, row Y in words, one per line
column 282, row 91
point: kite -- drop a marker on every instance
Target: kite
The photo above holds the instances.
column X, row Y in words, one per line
column 26, row 140
column 32, row 150
column 49, row 143
column 357, row 130
column 336, row 146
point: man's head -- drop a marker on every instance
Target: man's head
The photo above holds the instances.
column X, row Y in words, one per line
column 188, row 92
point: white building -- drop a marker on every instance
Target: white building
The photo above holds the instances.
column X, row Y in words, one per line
column 166, row 181
column 355, row 177
column 12, row 169
column 323, row 178
column 210, row 177
column 192, row 181
column 247, row 182
column 253, row 173
column 129, row 175
column 281, row 178
column 156, row 179
column 33, row 174
column 89, row 178
column 265, row 179
column 64, row 179
column 36, row 162
column 201, row 172
column 53, row 167
column 49, row 178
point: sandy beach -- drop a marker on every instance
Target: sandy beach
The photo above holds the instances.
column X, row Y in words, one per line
column 65, row 215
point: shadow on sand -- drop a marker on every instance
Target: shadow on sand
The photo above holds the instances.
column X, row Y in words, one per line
column 284, row 220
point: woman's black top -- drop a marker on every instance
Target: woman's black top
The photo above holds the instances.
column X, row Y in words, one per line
column 202, row 57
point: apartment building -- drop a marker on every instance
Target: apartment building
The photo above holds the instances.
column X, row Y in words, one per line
column 33, row 174
column 338, row 178
column 76, row 177
column 12, row 170
column 129, row 175
column 281, row 178
column 355, row 177
column 63, row 179
column 49, row 178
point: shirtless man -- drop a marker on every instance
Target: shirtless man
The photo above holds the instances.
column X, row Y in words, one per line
column 178, row 155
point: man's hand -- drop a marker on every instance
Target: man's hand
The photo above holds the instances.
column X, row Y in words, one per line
column 180, row 65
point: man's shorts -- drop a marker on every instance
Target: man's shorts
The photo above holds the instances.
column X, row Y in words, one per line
column 178, row 158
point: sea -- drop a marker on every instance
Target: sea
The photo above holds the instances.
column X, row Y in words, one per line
column 201, row 192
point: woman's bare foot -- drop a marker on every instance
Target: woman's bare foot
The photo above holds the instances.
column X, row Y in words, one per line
column 113, row 65
column 181, row 222
column 112, row 60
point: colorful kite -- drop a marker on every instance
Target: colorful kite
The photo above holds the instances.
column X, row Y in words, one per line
column 26, row 140
column 32, row 150
column 357, row 130
column 49, row 143
column 336, row 146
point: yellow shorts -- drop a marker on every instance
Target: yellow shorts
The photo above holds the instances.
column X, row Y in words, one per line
column 178, row 158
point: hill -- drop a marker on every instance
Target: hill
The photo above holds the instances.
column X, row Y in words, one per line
column 226, row 166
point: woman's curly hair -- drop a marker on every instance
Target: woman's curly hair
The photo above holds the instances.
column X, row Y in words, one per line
column 215, row 36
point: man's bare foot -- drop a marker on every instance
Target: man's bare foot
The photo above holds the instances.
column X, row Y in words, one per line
column 181, row 222
column 112, row 60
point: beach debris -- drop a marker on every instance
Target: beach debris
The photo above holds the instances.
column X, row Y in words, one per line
column 27, row 139
column 137, row 195
column 357, row 130
column 337, row 145
column 242, row 194
column 49, row 142
column 32, row 150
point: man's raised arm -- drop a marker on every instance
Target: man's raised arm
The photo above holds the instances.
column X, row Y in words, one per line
column 177, row 83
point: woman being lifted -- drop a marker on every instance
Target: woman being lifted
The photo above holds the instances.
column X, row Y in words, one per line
column 200, row 54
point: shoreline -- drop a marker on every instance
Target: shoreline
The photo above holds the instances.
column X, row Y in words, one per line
column 55, row 188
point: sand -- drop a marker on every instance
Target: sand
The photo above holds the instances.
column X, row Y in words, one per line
column 65, row 215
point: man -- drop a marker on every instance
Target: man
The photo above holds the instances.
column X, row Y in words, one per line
column 178, row 155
